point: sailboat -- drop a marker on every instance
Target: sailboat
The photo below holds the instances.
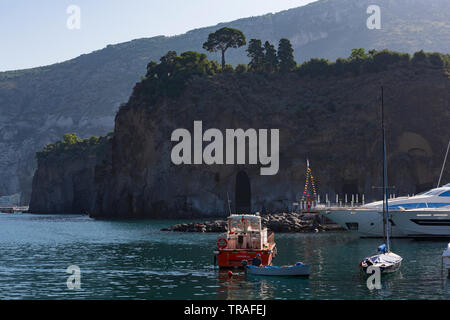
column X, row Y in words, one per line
column 385, row 260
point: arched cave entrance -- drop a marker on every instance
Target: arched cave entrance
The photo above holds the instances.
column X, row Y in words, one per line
column 243, row 193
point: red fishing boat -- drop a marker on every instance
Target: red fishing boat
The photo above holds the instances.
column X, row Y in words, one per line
column 244, row 239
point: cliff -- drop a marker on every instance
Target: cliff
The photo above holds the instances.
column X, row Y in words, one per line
column 332, row 119
column 65, row 181
column 37, row 106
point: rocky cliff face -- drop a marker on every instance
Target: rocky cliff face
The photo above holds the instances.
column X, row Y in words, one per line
column 38, row 106
column 65, row 181
column 333, row 121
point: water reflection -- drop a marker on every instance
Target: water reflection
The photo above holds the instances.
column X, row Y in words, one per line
column 135, row 260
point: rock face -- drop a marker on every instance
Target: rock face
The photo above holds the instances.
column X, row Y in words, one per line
column 65, row 182
column 38, row 106
column 333, row 121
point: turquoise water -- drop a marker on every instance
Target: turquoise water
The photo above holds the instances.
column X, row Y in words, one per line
column 134, row 260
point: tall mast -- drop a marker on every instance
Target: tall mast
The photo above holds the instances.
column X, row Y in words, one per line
column 443, row 165
column 385, row 181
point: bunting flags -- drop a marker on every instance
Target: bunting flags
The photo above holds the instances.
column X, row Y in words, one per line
column 307, row 196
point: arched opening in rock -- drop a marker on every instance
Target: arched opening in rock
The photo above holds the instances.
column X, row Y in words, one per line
column 243, row 193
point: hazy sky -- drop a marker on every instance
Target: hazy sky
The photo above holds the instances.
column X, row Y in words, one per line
column 35, row 33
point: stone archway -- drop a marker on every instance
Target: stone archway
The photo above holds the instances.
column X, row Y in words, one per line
column 243, row 193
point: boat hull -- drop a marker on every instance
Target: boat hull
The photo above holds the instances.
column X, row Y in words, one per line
column 423, row 222
column 301, row 270
column 232, row 258
column 386, row 262
column 389, row 269
column 364, row 222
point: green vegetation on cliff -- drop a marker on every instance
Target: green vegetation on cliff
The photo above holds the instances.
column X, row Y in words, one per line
column 361, row 62
column 71, row 146
column 170, row 76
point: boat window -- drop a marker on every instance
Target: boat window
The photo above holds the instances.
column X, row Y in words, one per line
column 418, row 205
column 244, row 225
column 445, row 194
column 432, row 192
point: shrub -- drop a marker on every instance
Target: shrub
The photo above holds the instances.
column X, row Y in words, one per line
column 241, row 68
column 419, row 57
column 436, row 59
column 386, row 58
column 315, row 67
column 173, row 72
column 228, row 69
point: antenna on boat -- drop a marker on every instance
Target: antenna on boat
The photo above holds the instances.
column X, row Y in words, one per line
column 443, row 165
column 229, row 203
column 385, row 188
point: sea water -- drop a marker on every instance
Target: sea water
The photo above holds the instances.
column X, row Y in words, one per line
column 135, row 260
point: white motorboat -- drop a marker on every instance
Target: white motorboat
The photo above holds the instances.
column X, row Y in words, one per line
column 446, row 258
column 367, row 220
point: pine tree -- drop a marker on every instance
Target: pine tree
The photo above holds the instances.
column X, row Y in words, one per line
column 255, row 52
column 286, row 56
column 270, row 58
column 222, row 40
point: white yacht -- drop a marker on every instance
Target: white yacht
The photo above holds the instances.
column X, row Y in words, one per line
column 367, row 220
column 423, row 222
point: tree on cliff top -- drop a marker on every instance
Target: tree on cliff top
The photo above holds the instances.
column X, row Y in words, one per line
column 223, row 39
column 255, row 52
column 270, row 58
column 71, row 138
column 171, row 74
column 358, row 53
column 286, row 56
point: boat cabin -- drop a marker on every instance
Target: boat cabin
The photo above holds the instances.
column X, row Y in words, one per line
column 245, row 238
column 246, row 232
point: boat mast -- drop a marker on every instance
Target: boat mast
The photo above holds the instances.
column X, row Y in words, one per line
column 385, row 188
column 443, row 165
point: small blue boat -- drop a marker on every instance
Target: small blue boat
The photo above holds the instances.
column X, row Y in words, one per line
column 299, row 269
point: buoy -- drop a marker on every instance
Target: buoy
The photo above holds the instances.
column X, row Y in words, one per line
column 230, row 274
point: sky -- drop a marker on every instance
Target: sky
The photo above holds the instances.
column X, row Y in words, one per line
column 36, row 33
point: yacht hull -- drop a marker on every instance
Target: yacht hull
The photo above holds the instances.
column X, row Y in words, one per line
column 423, row 222
column 364, row 222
